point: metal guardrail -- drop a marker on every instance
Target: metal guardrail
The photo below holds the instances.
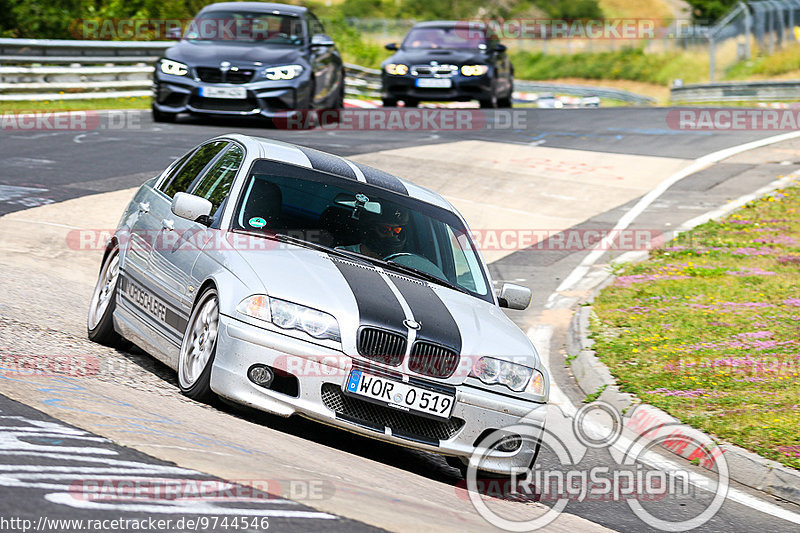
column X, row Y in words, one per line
column 94, row 69
column 751, row 91
column 583, row 90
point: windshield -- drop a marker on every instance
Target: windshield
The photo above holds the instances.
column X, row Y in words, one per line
column 361, row 219
column 241, row 26
column 451, row 38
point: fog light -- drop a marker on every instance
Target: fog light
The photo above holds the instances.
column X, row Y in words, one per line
column 511, row 443
column 261, row 375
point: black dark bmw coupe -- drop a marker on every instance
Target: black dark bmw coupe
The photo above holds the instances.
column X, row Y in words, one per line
column 249, row 58
column 448, row 61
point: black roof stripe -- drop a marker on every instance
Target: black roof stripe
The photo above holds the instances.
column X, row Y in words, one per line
column 328, row 163
column 382, row 179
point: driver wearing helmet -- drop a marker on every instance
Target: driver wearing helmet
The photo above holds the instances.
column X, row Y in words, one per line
column 382, row 235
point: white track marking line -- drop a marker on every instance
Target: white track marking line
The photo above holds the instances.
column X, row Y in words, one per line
column 698, row 164
column 541, row 335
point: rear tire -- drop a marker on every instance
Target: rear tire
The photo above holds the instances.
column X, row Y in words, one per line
column 390, row 102
column 199, row 347
column 100, row 323
column 411, row 103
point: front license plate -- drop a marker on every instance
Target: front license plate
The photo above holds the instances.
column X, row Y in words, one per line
column 237, row 93
column 434, row 83
column 400, row 395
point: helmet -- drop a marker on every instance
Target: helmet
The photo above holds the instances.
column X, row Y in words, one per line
column 386, row 234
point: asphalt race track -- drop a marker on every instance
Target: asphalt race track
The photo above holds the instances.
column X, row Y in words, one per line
column 564, row 170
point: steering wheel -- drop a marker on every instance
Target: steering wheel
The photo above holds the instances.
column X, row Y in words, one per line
column 398, row 254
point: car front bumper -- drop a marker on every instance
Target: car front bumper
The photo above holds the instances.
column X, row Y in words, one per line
column 321, row 373
column 464, row 88
column 181, row 94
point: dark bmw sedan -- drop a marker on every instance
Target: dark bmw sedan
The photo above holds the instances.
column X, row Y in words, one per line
column 450, row 61
column 249, row 58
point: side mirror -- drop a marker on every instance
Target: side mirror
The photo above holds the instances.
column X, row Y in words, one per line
column 392, row 47
column 500, row 48
column 191, row 207
column 514, row 296
column 320, row 39
column 174, row 34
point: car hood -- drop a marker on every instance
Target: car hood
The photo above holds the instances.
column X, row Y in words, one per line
column 358, row 294
column 211, row 54
column 444, row 57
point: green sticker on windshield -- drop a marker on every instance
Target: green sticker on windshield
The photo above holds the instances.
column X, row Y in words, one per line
column 258, row 222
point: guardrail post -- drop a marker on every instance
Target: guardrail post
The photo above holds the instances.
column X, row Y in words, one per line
column 711, row 53
column 748, row 23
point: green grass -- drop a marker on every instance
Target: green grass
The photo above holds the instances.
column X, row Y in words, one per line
column 708, row 328
column 595, row 395
column 626, row 64
column 75, row 105
column 781, row 62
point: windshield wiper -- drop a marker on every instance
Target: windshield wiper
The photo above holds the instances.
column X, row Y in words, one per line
column 420, row 274
column 282, row 237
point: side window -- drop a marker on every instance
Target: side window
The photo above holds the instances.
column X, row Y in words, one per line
column 315, row 26
column 184, row 178
column 216, row 184
column 176, row 167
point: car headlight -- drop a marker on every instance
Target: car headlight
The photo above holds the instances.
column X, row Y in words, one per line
column 516, row 377
column 474, row 70
column 288, row 315
column 396, row 69
column 286, row 72
column 173, row 67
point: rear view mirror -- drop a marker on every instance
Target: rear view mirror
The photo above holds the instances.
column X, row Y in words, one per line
column 514, row 296
column 191, row 207
column 500, row 48
column 391, row 46
column 358, row 201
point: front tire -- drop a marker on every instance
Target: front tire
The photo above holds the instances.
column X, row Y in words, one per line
column 491, row 103
column 161, row 116
column 100, row 323
column 390, row 102
column 199, row 348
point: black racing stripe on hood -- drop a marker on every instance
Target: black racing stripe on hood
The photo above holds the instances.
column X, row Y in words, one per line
column 328, row 163
column 382, row 179
column 438, row 325
column 377, row 304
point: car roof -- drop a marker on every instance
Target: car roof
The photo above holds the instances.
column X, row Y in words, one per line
column 259, row 7
column 471, row 24
column 338, row 166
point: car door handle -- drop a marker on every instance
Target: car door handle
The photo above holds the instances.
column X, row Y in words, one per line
column 144, row 207
column 168, row 225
